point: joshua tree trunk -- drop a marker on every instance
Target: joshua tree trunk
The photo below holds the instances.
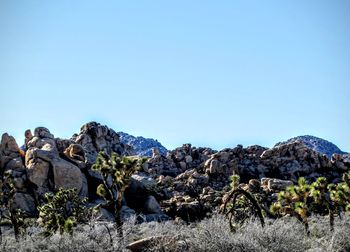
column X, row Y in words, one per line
column 234, row 196
column 15, row 225
column 117, row 214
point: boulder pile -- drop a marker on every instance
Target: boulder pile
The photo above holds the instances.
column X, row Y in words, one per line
column 186, row 183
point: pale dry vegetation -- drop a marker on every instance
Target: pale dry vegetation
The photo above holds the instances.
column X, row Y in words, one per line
column 212, row 234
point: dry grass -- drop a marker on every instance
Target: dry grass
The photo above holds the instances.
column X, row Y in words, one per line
column 211, row 234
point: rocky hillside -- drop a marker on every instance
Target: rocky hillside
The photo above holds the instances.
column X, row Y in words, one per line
column 317, row 144
column 185, row 183
column 142, row 146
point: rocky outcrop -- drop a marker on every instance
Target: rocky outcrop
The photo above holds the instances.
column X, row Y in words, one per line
column 11, row 161
column 142, row 146
column 46, row 167
column 294, row 160
column 94, row 137
column 47, row 163
column 317, row 144
column 286, row 161
column 187, row 182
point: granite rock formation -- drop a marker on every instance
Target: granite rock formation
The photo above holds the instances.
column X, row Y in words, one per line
column 186, row 183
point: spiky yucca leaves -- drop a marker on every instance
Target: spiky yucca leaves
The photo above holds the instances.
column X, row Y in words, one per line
column 116, row 172
column 319, row 198
column 234, row 181
column 340, row 194
column 62, row 211
column 7, row 210
column 294, row 201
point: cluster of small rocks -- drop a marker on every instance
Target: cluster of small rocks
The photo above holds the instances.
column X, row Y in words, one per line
column 177, row 161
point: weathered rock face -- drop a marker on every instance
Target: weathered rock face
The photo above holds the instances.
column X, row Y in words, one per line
column 37, row 170
column 67, row 175
column 11, row 160
column 43, row 156
column 94, row 137
column 9, row 150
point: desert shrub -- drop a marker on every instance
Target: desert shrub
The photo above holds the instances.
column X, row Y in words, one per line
column 86, row 237
column 62, row 211
column 322, row 239
column 284, row 234
column 212, row 234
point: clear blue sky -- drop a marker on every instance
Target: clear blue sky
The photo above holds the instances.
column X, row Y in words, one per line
column 213, row 73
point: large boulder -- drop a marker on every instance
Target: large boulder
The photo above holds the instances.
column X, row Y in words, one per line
column 37, row 169
column 138, row 191
column 9, row 150
column 42, row 132
column 9, row 146
column 276, row 185
column 151, row 206
column 11, row 161
column 66, row 175
column 24, row 202
column 43, row 156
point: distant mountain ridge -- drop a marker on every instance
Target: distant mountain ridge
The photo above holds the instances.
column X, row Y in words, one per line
column 141, row 145
column 317, row 144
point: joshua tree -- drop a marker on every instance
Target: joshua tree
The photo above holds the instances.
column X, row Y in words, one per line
column 320, row 198
column 116, row 172
column 294, row 201
column 240, row 203
column 7, row 209
column 62, row 211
